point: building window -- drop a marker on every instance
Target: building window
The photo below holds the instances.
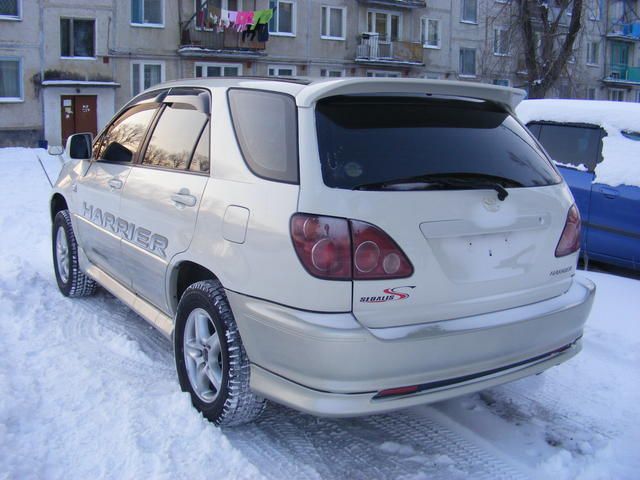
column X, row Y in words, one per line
column 10, row 9
column 430, row 32
column 283, row 21
column 616, row 95
column 334, row 23
column 145, row 75
column 77, row 38
column 385, row 24
column 469, row 11
column 591, row 93
column 500, row 41
column 147, row 12
column 503, row 82
column 467, row 62
column 382, row 74
column 207, row 69
column 10, row 79
column 330, row 72
column 637, row 95
column 282, row 70
column 593, row 53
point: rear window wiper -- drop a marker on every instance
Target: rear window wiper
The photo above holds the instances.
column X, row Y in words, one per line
column 448, row 181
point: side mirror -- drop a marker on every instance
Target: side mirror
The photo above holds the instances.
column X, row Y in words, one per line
column 79, row 146
column 55, row 150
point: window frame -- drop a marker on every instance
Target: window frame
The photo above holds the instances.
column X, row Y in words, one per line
column 276, row 19
column 293, row 68
column 327, row 24
column 19, row 99
column 383, row 74
column 462, row 9
column 461, row 74
column 595, row 93
column 140, row 79
column 222, row 66
column 13, row 18
column 424, row 32
column 590, row 45
column 144, row 24
column 332, row 69
column 388, row 14
column 95, row 37
column 500, row 43
column 501, row 82
column 618, row 91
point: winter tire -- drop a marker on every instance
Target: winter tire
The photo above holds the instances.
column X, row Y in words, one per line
column 211, row 361
column 71, row 281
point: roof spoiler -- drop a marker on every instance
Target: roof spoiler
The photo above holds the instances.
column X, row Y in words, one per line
column 505, row 96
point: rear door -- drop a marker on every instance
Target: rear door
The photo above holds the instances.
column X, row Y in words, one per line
column 381, row 158
column 614, row 233
column 576, row 149
column 99, row 189
column 164, row 190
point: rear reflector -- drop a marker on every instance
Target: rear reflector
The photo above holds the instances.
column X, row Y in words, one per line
column 397, row 391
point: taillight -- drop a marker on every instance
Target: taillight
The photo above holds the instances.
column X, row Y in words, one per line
column 340, row 249
column 323, row 245
column 376, row 255
column 570, row 238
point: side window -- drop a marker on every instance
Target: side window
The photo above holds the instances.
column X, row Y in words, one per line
column 200, row 160
column 174, row 137
column 572, row 145
column 266, row 128
column 122, row 140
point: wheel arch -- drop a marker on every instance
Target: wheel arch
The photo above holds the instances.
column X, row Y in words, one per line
column 57, row 204
column 182, row 275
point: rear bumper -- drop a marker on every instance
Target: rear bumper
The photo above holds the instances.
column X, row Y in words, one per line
column 329, row 365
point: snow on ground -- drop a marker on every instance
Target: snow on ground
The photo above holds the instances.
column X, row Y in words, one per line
column 87, row 388
column 620, row 154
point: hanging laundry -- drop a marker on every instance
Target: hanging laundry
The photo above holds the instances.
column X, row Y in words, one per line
column 261, row 17
column 224, row 18
column 243, row 20
column 263, row 32
column 232, row 16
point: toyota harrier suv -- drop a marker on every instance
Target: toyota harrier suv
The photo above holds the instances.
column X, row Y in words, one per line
column 342, row 247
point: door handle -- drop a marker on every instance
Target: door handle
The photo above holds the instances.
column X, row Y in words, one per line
column 609, row 192
column 115, row 184
column 183, row 199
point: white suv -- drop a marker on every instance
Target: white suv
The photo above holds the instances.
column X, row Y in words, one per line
column 343, row 247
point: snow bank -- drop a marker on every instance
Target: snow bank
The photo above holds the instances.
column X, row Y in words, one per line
column 621, row 164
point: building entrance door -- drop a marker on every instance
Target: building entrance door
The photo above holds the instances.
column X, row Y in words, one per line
column 78, row 115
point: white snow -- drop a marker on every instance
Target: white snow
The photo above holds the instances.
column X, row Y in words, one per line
column 620, row 163
column 87, row 389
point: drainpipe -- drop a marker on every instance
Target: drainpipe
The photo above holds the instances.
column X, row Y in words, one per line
column 42, row 59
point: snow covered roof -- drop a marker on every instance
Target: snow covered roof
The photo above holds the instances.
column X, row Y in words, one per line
column 621, row 155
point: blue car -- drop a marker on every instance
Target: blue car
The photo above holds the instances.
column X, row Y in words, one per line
column 596, row 147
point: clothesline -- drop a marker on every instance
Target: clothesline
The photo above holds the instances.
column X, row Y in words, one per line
column 241, row 21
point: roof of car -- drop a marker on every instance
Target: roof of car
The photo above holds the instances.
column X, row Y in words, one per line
column 308, row 90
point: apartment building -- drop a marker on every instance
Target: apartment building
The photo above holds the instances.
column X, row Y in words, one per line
column 67, row 65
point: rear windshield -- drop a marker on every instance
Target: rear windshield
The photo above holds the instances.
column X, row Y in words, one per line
column 371, row 139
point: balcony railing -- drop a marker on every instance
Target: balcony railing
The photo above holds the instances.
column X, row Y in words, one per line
column 376, row 49
column 623, row 74
column 625, row 31
column 194, row 38
column 396, row 3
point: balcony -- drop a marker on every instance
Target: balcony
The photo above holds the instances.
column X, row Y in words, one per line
column 376, row 50
column 629, row 32
column 396, row 3
column 619, row 74
column 195, row 41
